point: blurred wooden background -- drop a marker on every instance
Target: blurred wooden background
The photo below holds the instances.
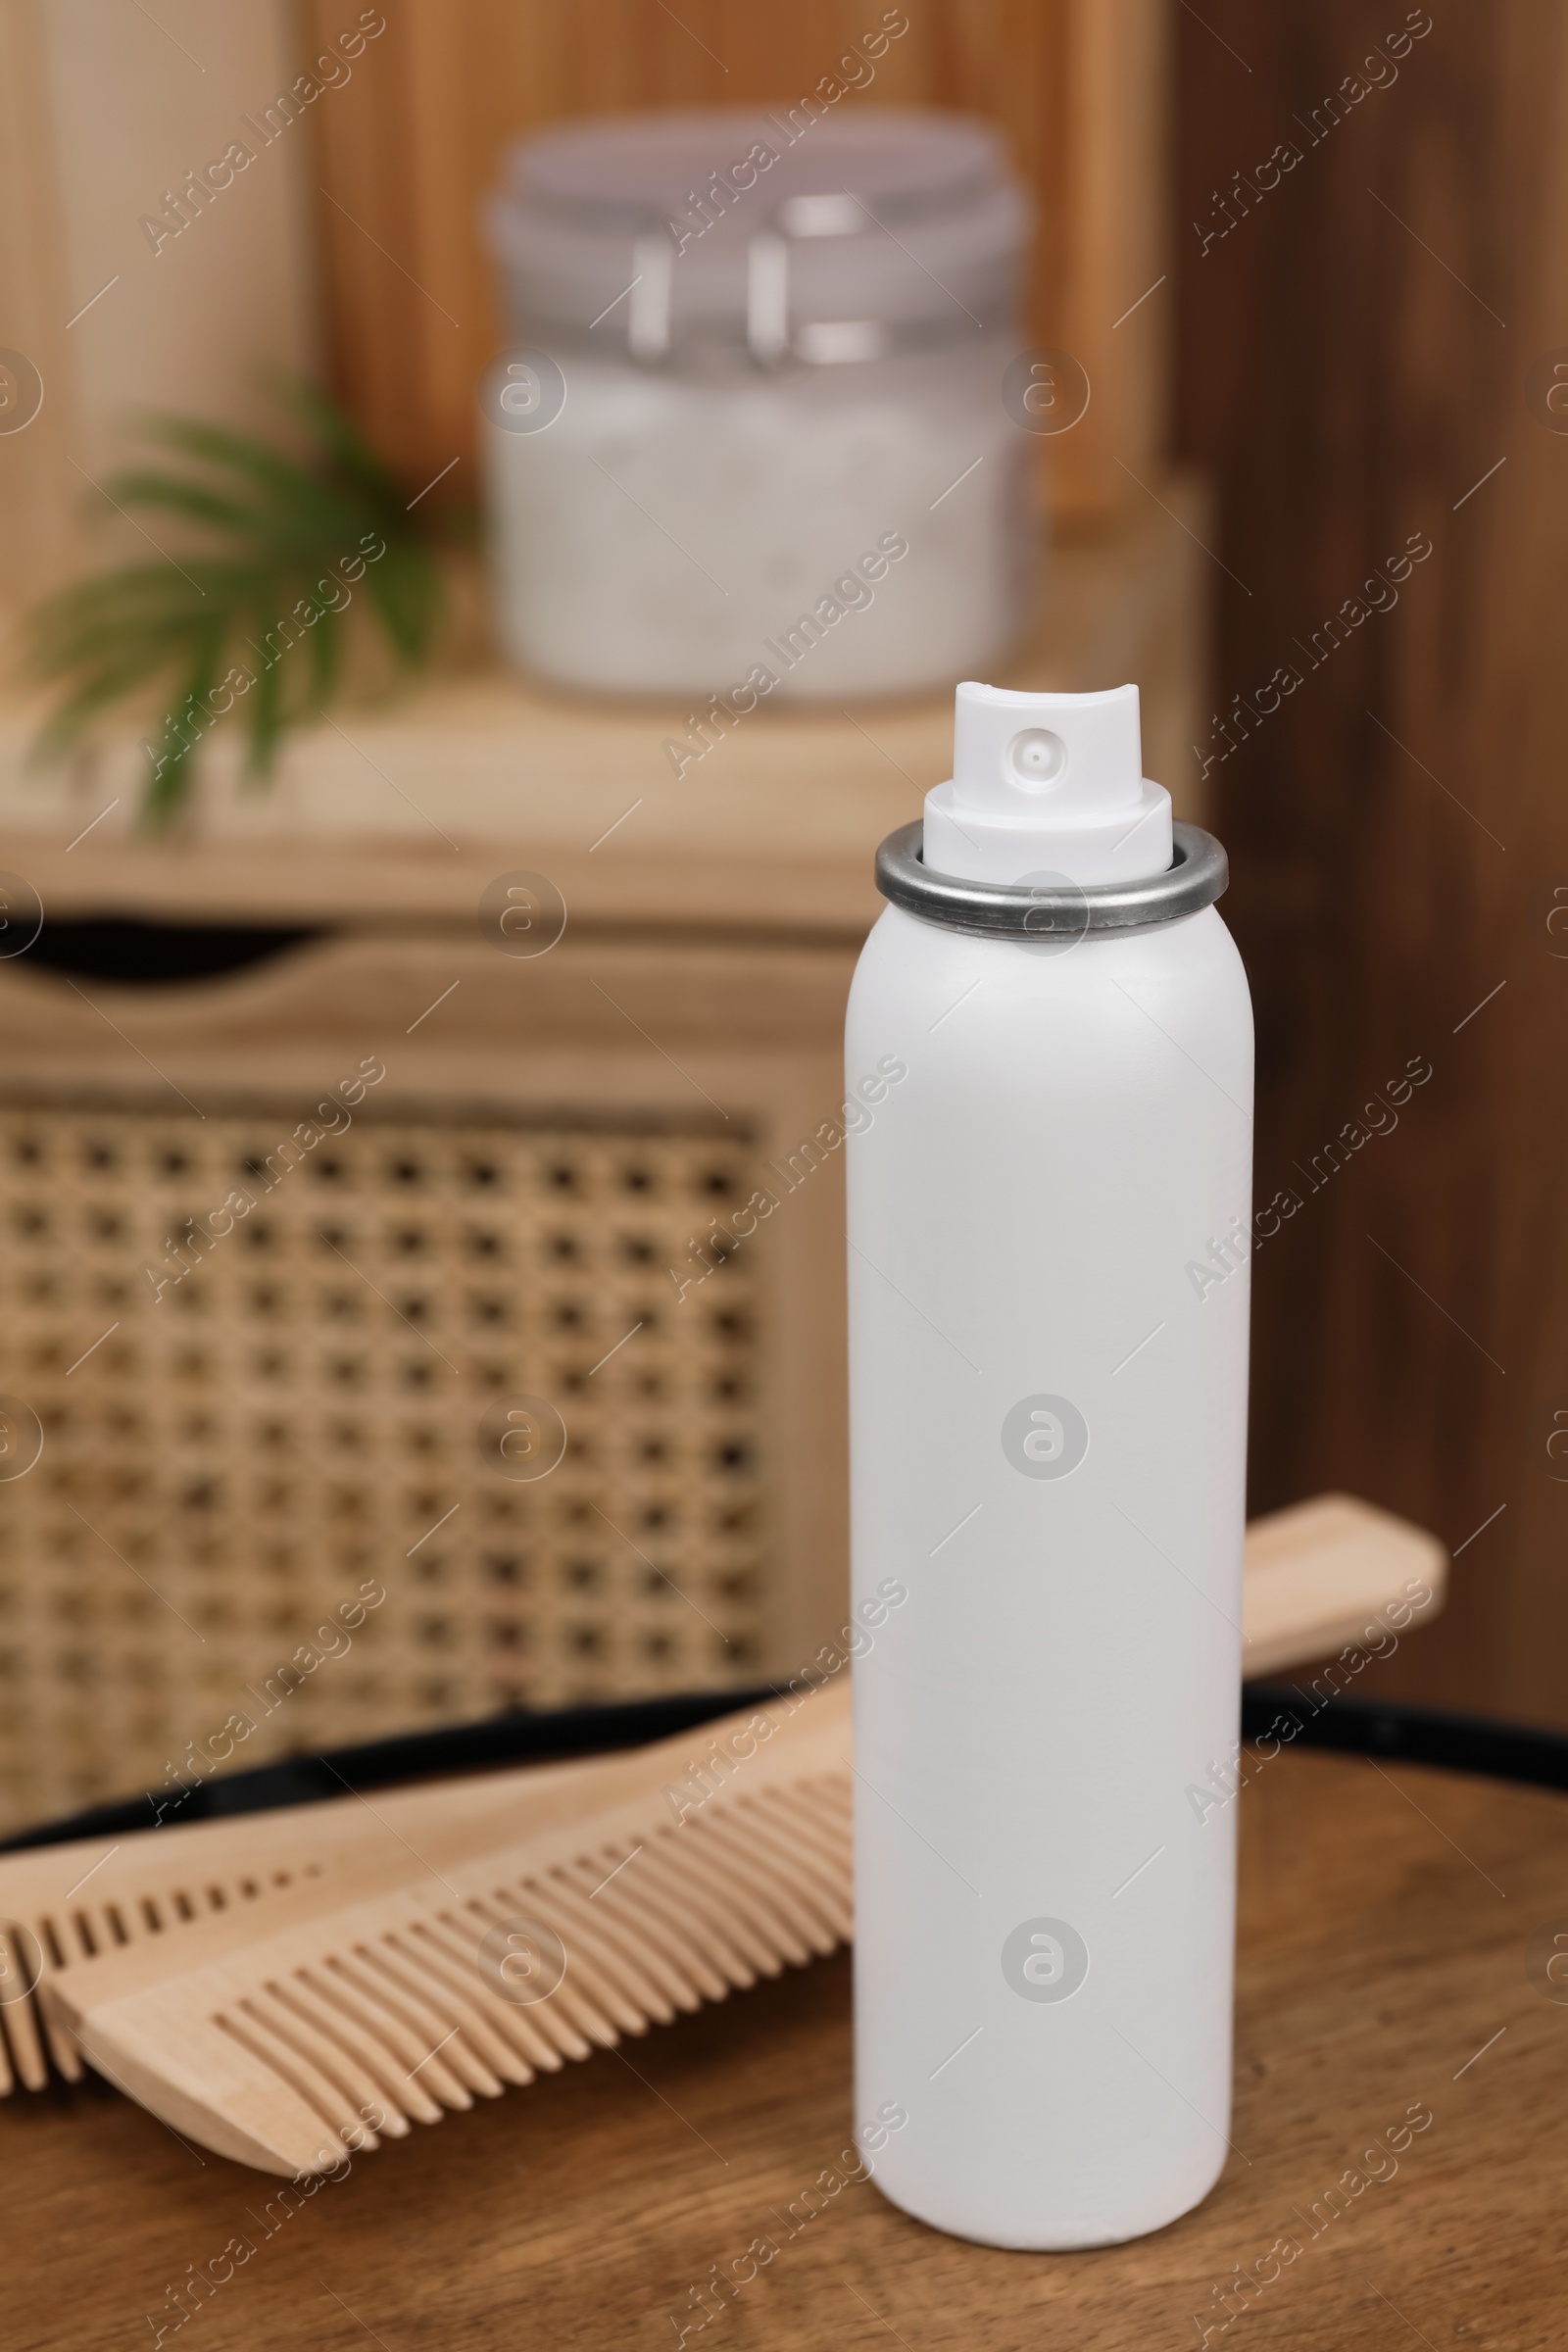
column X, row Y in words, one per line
column 1361, row 343
column 1358, row 354
column 412, row 145
column 362, row 242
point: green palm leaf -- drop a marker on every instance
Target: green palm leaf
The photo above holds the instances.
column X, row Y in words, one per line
column 250, row 630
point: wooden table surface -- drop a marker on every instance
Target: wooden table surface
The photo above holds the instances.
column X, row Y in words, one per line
column 1391, row 1959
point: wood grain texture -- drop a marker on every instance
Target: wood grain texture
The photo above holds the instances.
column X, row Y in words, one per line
column 411, row 148
column 1357, row 356
column 1376, row 1963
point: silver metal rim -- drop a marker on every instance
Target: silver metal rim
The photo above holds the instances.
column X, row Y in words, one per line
column 1194, row 879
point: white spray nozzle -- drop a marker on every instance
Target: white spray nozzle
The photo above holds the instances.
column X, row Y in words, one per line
column 1048, row 783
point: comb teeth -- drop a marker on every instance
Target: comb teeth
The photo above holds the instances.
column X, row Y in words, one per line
column 142, row 1890
column 60, row 1933
column 348, row 2027
column 656, row 1926
column 24, row 2060
column 66, row 1904
column 694, row 1918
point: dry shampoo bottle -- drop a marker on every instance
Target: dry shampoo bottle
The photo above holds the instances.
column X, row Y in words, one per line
column 1048, row 1421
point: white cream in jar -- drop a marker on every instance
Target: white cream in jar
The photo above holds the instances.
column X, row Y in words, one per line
column 776, row 441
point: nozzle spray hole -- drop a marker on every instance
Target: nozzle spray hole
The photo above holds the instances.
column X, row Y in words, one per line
column 1037, row 756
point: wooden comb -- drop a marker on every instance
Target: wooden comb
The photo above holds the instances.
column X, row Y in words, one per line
column 288, row 2030
column 61, row 1904
column 281, row 2040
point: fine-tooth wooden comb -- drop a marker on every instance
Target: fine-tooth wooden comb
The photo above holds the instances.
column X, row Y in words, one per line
column 61, row 1904
column 1317, row 1575
column 283, row 2041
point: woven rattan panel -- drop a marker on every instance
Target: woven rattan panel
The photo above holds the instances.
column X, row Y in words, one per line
column 233, row 1466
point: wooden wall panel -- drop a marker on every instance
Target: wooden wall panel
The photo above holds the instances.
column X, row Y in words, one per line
column 38, row 503
column 1358, row 358
column 409, row 149
column 98, row 112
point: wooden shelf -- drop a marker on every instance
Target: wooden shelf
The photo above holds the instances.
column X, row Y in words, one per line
column 405, row 812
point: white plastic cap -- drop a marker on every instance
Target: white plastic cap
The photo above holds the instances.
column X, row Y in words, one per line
column 1048, row 783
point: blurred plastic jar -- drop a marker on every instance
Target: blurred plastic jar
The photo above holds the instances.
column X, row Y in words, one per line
column 751, row 418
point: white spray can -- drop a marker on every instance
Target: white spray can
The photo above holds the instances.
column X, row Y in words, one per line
column 1049, row 1216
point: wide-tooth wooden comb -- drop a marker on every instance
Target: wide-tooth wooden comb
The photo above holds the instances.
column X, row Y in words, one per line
column 1317, row 1575
column 282, row 2042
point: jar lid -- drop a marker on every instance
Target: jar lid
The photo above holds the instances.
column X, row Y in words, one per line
column 768, row 221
